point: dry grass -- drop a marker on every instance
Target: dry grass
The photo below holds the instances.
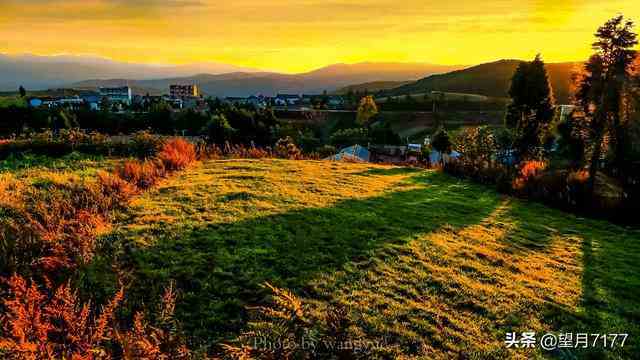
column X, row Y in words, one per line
column 177, row 154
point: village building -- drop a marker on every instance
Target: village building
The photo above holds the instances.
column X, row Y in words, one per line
column 183, row 91
column 116, row 94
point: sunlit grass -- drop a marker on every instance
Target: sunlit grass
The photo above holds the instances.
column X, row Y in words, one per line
column 33, row 168
column 429, row 265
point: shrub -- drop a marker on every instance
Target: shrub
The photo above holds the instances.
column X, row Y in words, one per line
column 529, row 170
column 142, row 144
column 115, row 191
column 47, row 230
column 177, row 154
column 162, row 340
column 20, row 241
column 218, row 130
column 348, row 137
column 145, row 144
column 441, row 142
column 142, row 174
column 208, row 151
column 326, row 151
column 475, row 145
column 51, row 227
column 43, row 323
column 257, row 153
column 286, row 149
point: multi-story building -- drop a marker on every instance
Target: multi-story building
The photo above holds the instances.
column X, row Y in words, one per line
column 117, row 94
column 183, row 91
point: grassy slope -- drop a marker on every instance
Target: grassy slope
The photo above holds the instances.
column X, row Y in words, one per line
column 420, row 97
column 430, row 265
column 371, row 87
column 33, row 168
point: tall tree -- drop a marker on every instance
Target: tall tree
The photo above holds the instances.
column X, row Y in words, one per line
column 614, row 44
column 366, row 110
column 531, row 109
column 441, row 142
column 218, row 130
column 601, row 87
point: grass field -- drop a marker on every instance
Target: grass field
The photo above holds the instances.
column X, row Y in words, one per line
column 428, row 265
column 33, row 168
column 416, row 128
column 420, row 97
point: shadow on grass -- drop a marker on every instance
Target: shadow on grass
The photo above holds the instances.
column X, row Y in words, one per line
column 392, row 171
column 610, row 299
column 610, row 290
column 219, row 266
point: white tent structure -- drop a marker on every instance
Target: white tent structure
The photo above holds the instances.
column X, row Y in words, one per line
column 354, row 153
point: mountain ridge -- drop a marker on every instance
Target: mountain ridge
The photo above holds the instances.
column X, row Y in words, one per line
column 489, row 79
column 43, row 72
column 328, row 78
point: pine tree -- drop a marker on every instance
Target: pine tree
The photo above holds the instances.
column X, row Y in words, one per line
column 601, row 87
column 532, row 106
column 441, row 143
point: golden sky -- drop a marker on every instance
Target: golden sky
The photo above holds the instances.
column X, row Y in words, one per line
column 300, row 35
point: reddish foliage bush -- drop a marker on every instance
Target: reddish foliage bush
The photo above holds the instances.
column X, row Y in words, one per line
column 284, row 149
column 46, row 232
column 177, row 154
column 162, row 341
column 528, row 171
column 560, row 188
column 142, row 174
column 213, row 151
column 116, row 191
column 39, row 323
column 257, row 153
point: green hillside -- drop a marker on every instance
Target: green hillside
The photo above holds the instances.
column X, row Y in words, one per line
column 490, row 79
column 371, row 87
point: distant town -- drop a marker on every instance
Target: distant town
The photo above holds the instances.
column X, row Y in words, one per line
column 180, row 97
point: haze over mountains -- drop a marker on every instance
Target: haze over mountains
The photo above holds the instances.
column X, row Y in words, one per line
column 43, row 72
column 223, row 80
column 328, row 79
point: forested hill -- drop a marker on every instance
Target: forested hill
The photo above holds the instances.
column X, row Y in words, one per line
column 490, row 79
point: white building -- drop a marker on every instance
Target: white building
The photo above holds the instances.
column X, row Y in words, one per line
column 117, row 95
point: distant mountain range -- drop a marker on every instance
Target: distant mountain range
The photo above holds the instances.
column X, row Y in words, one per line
column 45, row 72
column 490, row 79
column 330, row 79
column 222, row 80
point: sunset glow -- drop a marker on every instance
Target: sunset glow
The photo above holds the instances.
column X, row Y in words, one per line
column 295, row 36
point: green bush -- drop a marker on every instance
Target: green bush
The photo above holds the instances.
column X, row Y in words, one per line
column 348, row 137
column 142, row 144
